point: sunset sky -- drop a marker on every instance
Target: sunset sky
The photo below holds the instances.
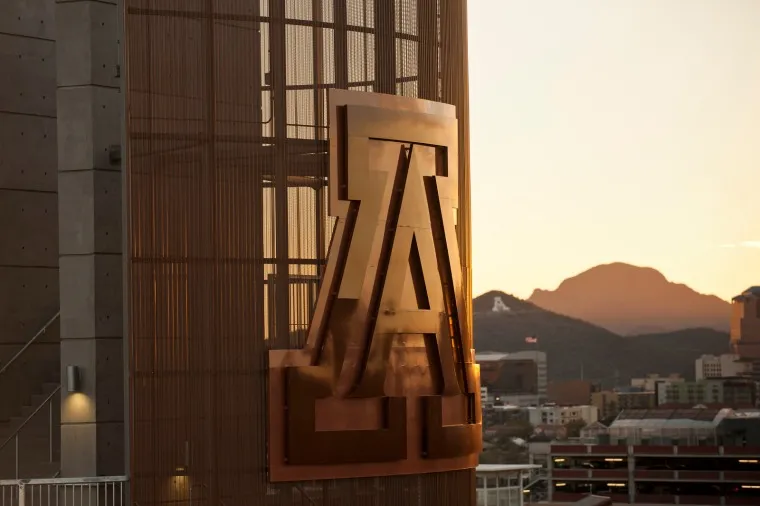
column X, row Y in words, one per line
column 615, row 130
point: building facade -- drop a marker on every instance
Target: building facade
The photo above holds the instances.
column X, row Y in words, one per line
column 649, row 383
column 570, row 392
column 699, row 456
column 518, row 378
column 745, row 329
column 170, row 189
column 611, row 402
column 562, row 415
column 719, row 366
column 730, row 392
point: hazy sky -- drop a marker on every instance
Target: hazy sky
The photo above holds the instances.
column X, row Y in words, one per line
column 615, row 130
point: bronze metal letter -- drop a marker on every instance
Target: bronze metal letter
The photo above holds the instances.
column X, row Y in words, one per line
column 386, row 383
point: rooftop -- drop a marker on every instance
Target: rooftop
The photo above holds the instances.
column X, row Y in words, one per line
column 671, row 418
column 503, row 468
column 752, row 291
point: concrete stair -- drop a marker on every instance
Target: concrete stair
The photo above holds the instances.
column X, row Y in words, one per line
column 31, row 430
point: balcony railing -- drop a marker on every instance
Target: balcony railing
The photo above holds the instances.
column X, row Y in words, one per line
column 96, row 491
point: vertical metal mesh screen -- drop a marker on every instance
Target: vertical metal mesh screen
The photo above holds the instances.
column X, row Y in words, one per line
column 228, row 227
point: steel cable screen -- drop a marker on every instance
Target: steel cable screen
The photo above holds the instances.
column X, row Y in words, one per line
column 227, row 221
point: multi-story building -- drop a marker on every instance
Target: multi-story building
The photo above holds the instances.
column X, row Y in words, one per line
column 184, row 256
column 503, row 484
column 730, row 392
column 611, row 402
column 562, row 415
column 719, row 366
column 745, row 323
column 518, row 378
column 649, row 383
column 570, row 392
column 664, row 457
column 745, row 330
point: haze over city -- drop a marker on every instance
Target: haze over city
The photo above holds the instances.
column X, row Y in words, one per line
column 615, row 131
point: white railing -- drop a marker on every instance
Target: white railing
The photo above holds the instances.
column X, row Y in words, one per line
column 96, row 491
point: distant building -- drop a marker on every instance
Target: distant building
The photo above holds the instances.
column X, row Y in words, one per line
column 561, row 415
column 720, row 366
column 728, row 392
column 518, row 378
column 648, row 384
column 610, row 403
column 745, row 328
column 539, row 357
column 607, row 402
column 485, row 400
column 570, row 392
column 687, row 457
column 594, row 430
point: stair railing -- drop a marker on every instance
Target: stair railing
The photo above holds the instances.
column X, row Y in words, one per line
column 14, row 437
column 40, row 332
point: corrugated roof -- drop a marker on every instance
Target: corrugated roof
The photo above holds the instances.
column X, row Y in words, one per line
column 670, row 418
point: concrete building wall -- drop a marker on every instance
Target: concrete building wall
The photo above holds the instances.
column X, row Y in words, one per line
column 89, row 186
column 28, row 200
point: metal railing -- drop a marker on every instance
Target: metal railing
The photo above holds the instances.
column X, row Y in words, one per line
column 40, row 332
column 96, row 491
column 15, row 436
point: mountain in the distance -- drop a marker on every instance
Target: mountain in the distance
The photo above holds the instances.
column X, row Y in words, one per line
column 629, row 300
column 575, row 347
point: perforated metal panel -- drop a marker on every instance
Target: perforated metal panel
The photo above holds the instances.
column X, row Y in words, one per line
column 227, row 224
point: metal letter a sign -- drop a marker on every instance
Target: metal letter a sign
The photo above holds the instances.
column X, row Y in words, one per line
column 386, row 383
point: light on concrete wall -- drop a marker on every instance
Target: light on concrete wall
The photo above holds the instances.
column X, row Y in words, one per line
column 72, row 379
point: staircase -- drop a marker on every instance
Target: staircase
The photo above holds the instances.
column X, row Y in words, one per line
column 30, row 409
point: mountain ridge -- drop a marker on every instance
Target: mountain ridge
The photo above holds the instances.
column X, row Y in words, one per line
column 575, row 347
column 629, row 300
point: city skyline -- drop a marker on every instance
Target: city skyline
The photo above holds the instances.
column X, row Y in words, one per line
column 614, row 132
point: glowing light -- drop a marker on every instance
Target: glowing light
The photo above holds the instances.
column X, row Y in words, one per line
column 616, row 484
column 559, row 460
column 613, row 460
column 748, row 461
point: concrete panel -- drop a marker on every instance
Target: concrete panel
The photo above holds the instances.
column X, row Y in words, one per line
column 87, row 49
column 111, row 457
column 78, row 449
column 27, row 153
column 27, row 80
column 109, row 296
column 109, row 392
column 31, row 18
column 91, row 296
column 76, row 220
column 28, row 299
column 89, row 205
column 92, row 449
column 29, row 229
column 88, row 124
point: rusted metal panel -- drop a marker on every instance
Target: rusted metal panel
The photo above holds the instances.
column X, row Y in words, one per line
column 228, row 172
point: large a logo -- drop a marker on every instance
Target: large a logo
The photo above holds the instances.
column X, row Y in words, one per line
column 386, row 383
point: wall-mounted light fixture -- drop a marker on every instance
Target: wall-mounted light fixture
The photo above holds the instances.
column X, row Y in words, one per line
column 72, row 379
